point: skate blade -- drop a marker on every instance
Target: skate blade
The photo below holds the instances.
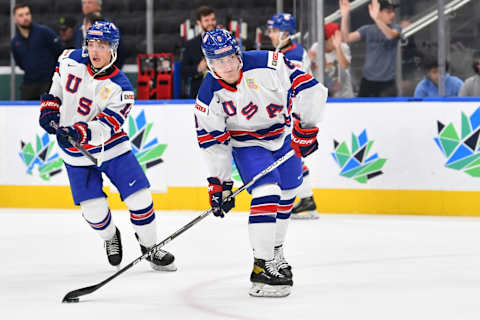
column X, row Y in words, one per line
column 265, row 290
column 306, row 215
column 169, row 267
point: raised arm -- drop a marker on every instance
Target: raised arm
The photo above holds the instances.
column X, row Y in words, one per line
column 345, row 23
column 373, row 10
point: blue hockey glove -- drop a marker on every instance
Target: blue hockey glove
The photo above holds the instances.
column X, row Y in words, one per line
column 79, row 132
column 218, row 193
column 49, row 112
column 304, row 140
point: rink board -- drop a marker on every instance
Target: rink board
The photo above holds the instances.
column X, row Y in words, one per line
column 401, row 168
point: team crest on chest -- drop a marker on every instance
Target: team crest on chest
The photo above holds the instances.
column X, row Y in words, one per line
column 104, row 93
column 251, row 84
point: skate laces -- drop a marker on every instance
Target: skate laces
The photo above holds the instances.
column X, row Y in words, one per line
column 157, row 254
column 112, row 246
column 279, row 258
column 271, row 267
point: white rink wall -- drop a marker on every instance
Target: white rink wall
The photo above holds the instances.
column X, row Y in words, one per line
column 399, row 131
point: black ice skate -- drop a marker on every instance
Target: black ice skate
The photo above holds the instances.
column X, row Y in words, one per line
column 283, row 266
column 267, row 281
column 160, row 260
column 305, row 209
column 114, row 250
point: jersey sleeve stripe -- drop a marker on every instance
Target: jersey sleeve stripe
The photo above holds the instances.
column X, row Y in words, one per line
column 111, row 119
column 305, row 85
column 207, row 139
column 305, row 77
column 295, row 74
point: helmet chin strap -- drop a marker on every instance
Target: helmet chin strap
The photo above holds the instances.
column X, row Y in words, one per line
column 282, row 42
column 114, row 57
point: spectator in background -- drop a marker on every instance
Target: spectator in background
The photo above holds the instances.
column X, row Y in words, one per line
column 35, row 49
column 382, row 39
column 66, row 33
column 471, row 87
column 412, row 62
column 194, row 66
column 428, row 87
column 337, row 63
column 88, row 6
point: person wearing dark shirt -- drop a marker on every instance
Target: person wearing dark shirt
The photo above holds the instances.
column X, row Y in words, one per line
column 88, row 7
column 194, row 66
column 35, row 49
column 66, row 32
column 382, row 40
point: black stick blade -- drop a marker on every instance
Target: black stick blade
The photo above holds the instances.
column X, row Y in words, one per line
column 72, row 296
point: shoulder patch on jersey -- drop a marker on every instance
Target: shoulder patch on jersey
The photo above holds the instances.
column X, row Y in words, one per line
column 104, row 93
column 251, row 83
column 273, row 59
column 128, row 97
column 199, row 106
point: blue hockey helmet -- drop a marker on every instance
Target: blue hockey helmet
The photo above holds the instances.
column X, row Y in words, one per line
column 219, row 43
column 284, row 22
column 104, row 31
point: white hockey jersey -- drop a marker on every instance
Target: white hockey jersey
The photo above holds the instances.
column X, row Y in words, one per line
column 257, row 111
column 102, row 102
column 298, row 56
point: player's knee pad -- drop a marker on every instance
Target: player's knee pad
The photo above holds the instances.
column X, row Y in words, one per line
column 96, row 212
column 139, row 200
column 289, row 194
column 266, row 190
column 285, row 206
column 140, row 205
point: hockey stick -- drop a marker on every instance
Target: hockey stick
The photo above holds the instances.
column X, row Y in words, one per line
column 72, row 296
column 82, row 150
column 77, row 145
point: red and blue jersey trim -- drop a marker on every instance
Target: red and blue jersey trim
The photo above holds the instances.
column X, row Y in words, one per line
column 111, row 119
column 110, row 143
column 207, row 139
column 270, row 133
column 301, row 81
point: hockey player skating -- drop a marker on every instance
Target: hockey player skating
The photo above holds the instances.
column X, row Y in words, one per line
column 281, row 27
column 88, row 102
column 243, row 109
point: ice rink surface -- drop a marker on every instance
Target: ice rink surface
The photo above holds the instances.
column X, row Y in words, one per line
column 345, row 267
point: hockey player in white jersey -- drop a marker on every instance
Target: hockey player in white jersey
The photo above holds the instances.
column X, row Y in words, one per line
column 88, row 102
column 243, row 109
column 281, row 28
